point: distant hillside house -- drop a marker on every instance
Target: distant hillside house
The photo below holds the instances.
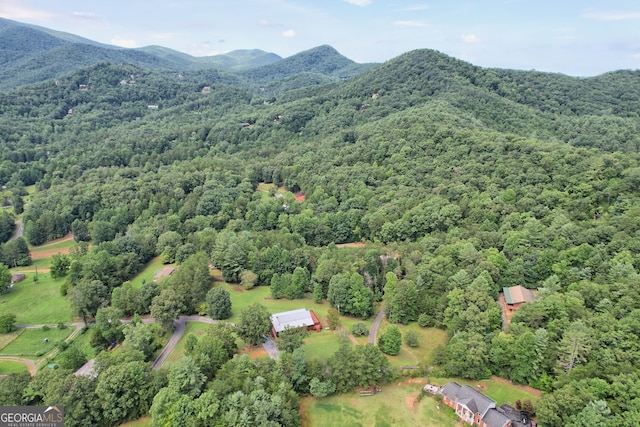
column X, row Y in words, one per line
column 165, row 272
column 206, row 89
column 515, row 296
column 473, row 407
column 83, row 87
column 153, row 107
column 294, row 319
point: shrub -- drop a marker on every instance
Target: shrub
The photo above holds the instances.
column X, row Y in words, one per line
column 411, row 338
column 7, row 323
column 424, row 320
column 360, row 330
column 391, row 341
column 45, row 327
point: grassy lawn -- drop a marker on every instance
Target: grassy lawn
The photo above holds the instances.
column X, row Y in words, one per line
column 321, row 345
column 140, row 422
column 395, row 405
column 9, row 367
column 80, row 342
column 5, row 339
column 64, row 244
column 241, row 299
column 31, row 342
column 429, row 339
column 146, row 275
column 196, row 328
column 36, row 303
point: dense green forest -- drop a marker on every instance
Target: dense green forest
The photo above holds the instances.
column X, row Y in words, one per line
column 461, row 180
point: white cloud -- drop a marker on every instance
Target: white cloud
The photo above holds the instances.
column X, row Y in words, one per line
column 10, row 10
column 417, row 7
column 470, row 38
column 85, row 15
column 118, row 41
column 409, row 24
column 359, row 2
column 288, row 33
column 611, row 15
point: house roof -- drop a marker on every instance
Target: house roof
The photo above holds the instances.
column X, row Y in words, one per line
column 495, row 418
column 291, row 319
column 517, row 294
column 167, row 271
column 468, row 396
column 18, row 277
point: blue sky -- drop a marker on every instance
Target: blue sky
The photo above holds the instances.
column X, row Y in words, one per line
column 575, row 37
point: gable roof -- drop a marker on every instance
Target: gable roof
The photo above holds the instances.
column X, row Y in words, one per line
column 468, row 396
column 517, row 294
column 495, row 418
column 291, row 319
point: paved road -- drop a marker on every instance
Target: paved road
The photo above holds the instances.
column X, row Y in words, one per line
column 375, row 325
column 177, row 333
column 20, row 230
column 270, row 346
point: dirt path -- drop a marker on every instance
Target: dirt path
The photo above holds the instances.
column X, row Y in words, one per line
column 353, row 339
column 55, row 242
column 31, row 365
column 503, row 307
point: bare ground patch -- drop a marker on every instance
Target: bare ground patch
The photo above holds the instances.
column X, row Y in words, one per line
column 351, row 245
column 48, row 253
column 412, row 401
column 254, row 352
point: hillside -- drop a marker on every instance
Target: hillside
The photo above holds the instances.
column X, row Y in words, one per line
column 31, row 54
column 454, row 180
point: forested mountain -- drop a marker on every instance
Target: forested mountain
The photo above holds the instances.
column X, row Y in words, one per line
column 461, row 179
column 30, row 54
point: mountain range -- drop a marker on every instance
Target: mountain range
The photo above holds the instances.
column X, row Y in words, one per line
column 30, row 54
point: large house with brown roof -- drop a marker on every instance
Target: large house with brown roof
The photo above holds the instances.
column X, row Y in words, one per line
column 473, row 407
column 515, row 296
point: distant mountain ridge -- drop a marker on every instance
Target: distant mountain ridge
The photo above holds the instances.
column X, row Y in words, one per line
column 31, row 54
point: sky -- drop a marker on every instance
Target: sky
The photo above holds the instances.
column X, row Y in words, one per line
column 574, row 37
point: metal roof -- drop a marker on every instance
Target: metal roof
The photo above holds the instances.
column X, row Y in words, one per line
column 517, row 294
column 291, row 319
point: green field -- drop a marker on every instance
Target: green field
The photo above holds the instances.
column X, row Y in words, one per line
column 65, row 244
column 146, row 275
column 36, row 303
column 140, row 422
column 196, row 328
column 5, row 339
column 9, row 367
column 394, row 406
column 81, row 342
column 429, row 339
column 31, row 342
